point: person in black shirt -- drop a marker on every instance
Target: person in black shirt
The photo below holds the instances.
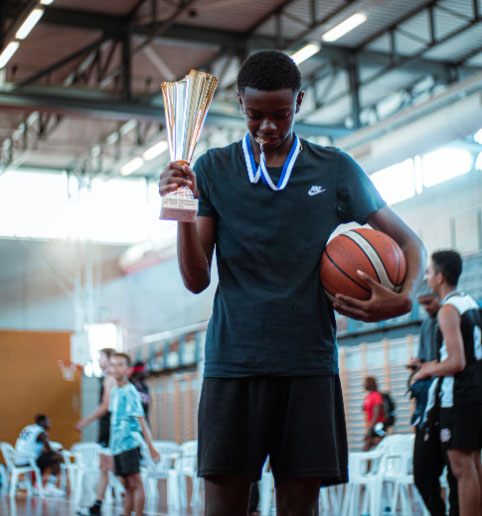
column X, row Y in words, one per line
column 138, row 375
column 101, row 412
column 268, row 205
column 459, row 370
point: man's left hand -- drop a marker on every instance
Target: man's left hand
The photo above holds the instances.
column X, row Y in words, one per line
column 155, row 455
column 383, row 303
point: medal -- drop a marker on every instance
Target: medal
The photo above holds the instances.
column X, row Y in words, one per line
column 255, row 174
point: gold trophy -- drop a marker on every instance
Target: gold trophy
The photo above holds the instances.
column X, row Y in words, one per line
column 186, row 103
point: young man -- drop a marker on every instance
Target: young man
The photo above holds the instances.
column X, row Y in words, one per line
column 429, row 458
column 271, row 384
column 33, row 442
column 127, row 425
column 101, row 413
column 460, row 370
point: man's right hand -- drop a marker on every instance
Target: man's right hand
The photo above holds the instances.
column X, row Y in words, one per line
column 414, row 363
column 175, row 175
column 80, row 425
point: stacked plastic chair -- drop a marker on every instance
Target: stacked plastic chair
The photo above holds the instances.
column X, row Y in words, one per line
column 166, row 469
column 188, row 468
column 87, row 468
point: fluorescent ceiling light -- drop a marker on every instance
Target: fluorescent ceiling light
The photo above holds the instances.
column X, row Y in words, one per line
column 29, row 23
column 8, row 52
column 131, row 165
column 46, row 2
column 306, row 52
column 344, row 27
column 155, row 150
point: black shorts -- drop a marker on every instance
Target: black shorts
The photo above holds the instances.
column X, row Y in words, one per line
column 461, row 427
column 128, row 462
column 46, row 460
column 299, row 422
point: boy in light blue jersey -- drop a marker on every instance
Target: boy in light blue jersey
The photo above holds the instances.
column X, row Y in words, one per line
column 127, row 427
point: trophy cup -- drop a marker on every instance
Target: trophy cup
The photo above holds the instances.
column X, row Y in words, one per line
column 186, row 104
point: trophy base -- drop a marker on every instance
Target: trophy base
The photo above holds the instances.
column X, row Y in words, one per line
column 181, row 209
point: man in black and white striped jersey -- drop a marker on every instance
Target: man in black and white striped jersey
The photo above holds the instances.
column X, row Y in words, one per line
column 460, row 371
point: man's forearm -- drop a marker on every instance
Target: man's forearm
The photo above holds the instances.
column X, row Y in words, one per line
column 415, row 256
column 193, row 263
column 447, row 367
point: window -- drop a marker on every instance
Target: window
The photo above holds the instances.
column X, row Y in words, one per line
column 396, row 183
column 444, row 164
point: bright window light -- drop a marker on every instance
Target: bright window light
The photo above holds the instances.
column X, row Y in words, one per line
column 344, row 27
column 102, row 335
column 395, row 183
column 156, row 150
column 29, row 23
column 306, row 52
column 46, row 2
column 478, row 163
column 51, row 206
column 478, row 136
column 443, row 164
column 131, row 166
column 33, row 204
column 8, row 52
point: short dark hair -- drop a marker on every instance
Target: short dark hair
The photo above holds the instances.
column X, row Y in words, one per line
column 269, row 70
column 123, row 355
column 41, row 419
column 371, row 384
column 449, row 264
column 108, row 352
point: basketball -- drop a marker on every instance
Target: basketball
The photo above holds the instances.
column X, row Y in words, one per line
column 368, row 250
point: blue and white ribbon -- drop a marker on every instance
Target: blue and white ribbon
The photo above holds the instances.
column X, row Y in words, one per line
column 262, row 172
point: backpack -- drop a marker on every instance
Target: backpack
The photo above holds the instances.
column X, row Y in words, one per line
column 389, row 408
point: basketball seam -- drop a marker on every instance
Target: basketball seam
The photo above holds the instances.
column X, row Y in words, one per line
column 379, row 257
column 345, row 274
column 363, row 251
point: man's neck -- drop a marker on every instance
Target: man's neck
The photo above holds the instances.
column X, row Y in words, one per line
column 445, row 290
column 122, row 382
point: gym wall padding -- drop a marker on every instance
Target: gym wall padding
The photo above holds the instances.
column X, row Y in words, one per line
column 31, row 383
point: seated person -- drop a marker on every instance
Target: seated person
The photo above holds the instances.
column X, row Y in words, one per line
column 33, row 443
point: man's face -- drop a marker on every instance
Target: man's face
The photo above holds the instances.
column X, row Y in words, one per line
column 433, row 277
column 270, row 114
column 430, row 303
column 104, row 362
column 119, row 367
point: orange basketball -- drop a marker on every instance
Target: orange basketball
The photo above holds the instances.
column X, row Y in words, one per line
column 368, row 250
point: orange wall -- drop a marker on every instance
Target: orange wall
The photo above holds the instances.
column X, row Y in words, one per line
column 31, row 383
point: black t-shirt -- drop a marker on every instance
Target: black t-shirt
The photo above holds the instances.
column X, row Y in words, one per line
column 428, row 347
column 104, row 421
column 270, row 315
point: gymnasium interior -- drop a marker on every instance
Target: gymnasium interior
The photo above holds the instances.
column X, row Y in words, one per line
column 86, row 263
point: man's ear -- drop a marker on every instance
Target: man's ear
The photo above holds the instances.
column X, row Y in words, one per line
column 240, row 101
column 299, row 100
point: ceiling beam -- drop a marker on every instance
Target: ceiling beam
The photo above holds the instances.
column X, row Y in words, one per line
column 231, row 42
column 101, row 105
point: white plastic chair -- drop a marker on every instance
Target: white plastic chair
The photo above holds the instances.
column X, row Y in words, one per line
column 14, row 472
column 188, row 468
column 362, row 467
column 87, row 467
column 166, row 469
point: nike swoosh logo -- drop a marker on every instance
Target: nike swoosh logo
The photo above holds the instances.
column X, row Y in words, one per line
column 315, row 190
